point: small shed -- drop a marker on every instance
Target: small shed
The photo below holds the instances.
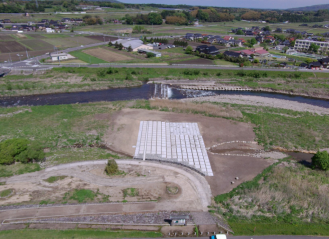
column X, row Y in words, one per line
column 178, row 220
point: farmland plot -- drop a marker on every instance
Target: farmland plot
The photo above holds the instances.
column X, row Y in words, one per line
column 107, row 55
column 38, row 45
column 11, row 46
column 70, row 41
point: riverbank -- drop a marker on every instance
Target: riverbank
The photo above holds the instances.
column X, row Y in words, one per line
column 262, row 101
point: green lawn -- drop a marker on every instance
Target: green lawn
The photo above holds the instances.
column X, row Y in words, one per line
column 252, row 229
column 87, row 58
column 77, row 234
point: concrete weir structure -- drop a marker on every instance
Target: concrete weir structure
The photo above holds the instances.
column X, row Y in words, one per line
column 180, row 143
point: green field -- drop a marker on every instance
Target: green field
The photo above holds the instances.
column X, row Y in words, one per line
column 259, row 229
column 87, row 58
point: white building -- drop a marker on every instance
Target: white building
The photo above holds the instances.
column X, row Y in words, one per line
column 59, row 56
column 135, row 44
column 49, row 30
column 305, row 44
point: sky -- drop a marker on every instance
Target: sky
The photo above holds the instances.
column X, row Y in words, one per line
column 267, row 4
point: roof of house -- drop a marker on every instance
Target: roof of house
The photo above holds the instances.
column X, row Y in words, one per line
column 232, row 53
column 227, row 38
column 247, row 52
column 262, row 52
column 316, row 63
column 58, row 54
column 324, row 60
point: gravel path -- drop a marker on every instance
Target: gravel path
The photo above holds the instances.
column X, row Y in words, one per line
column 263, row 101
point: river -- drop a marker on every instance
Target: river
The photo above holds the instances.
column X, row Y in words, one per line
column 145, row 91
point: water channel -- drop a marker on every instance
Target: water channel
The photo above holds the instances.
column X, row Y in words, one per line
column 146, row 91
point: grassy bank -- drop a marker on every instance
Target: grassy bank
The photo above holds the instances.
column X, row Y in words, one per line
column 68, row 132
column 252, row 229
column 71, row 79
column 286, row 198
column 77, row 233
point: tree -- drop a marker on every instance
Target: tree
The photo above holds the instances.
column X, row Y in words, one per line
column 267, row 28
column 189, row 50
column 129, row 49
column 120, row 46
column 116, row 44
column 321, row 160
column 201, row 15
column 110, row 43
column 253, row 41
column 111, row 167
column 149, row 55
column 314, row 47
column 154, row 18
column 239, row 32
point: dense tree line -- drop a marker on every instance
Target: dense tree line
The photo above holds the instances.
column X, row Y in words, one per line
column 180, row 43
column 158, row 40
column 148, row 19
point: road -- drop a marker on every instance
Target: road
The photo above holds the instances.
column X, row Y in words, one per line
column 261, row 237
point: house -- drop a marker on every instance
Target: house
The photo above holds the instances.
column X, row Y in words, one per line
column 58, row 56
column 1, row 26
column 303, row 65
column 242, row 40
column 286, row 43
column 66, row 19
column 232, row 54
column 291, row 51
column 324, row 62
column 315, row 65
column 279, row 47
column 44, row 20
column 189, row 36
column 235, row 43
column 135, row 44
column 259, row 51
column 52, row 22
column 209, row 50
column 6, row 21
column 227, row 38
column 50, row 30
column 198, row 36
column 278, row 30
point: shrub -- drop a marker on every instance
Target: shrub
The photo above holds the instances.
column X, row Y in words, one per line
column 101, row 73
column 189, row 50
column 111, row 167
column 149, row 55
column 20, row 150
column 321, row 160
column 129, row 77
column 218, row 74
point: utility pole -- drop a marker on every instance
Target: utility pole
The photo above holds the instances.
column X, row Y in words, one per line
column 36, row 3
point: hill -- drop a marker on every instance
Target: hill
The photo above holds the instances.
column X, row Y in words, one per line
column 310, row 8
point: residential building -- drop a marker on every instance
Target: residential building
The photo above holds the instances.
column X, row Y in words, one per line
column 50, row 30
column 291, row 51
column 232, row 54
column 305, row 44
column 324, row 62
column 279, row 47
column 58, row 56
column 209, row 50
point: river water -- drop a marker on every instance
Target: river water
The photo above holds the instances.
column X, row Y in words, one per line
column 145, row 91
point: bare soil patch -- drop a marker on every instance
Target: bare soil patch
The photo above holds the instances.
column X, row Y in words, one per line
column 38, row 44
column 6, row 38
column 106, row 55
column 123, row 131
column 200, row 61
column 11, row 46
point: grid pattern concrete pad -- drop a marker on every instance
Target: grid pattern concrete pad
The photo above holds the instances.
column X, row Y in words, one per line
column 177, row 142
